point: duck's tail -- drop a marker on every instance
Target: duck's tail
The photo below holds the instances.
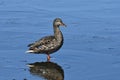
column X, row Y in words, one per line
column 30, row 51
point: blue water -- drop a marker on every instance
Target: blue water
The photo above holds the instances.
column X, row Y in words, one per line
column 91, row 49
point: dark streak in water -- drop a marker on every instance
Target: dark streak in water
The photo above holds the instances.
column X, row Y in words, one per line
column 47, row 70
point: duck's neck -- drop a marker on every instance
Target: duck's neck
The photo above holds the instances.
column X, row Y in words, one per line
column 57, row 33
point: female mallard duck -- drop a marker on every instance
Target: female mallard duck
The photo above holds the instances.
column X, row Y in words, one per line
column 49, row 44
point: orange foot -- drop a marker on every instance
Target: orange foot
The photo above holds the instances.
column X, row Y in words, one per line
column 48, row 57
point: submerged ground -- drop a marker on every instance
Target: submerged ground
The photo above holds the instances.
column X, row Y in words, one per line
column 91, row 49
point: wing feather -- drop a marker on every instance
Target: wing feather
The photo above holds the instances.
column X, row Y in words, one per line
column 43, row 41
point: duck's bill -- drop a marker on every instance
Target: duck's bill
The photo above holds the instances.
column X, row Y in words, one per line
column 63, row 25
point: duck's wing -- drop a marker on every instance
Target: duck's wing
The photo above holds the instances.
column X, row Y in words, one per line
column 43, row 41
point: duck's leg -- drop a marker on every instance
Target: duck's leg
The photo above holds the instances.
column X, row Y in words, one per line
column 48, row 57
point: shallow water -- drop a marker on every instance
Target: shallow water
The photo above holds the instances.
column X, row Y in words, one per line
column 91, row 47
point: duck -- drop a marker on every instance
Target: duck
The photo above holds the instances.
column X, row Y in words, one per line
column 49, row 44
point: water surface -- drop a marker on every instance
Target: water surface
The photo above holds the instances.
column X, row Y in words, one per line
column 91, row 38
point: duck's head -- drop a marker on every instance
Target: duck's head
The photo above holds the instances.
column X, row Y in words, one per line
column 58, row 22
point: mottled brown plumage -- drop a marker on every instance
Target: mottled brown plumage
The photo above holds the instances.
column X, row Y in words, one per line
column 49, row 44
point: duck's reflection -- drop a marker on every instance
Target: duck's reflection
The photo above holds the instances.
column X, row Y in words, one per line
column 47, row 70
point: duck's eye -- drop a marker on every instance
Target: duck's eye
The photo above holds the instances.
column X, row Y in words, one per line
column 58, row 23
